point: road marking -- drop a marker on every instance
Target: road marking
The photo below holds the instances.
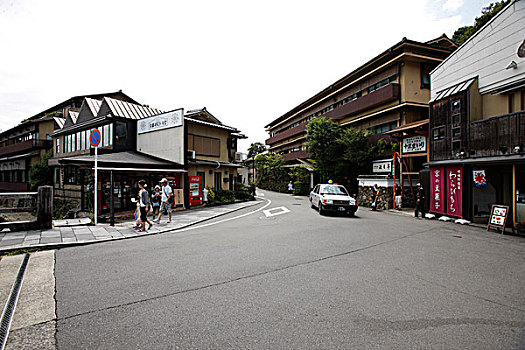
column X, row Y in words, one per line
column 281, row 210
column 225, row 220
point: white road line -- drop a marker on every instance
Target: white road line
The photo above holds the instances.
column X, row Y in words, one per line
column 276, row 211
column 229, row 219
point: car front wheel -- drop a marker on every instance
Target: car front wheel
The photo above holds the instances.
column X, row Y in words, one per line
column 321, row 211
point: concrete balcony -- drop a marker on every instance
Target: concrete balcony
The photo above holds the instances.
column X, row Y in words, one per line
column 383, row 95
column 299, row 129
column 25, row 146
column 288, row 157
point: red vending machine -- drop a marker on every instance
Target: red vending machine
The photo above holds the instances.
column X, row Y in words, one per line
column 195, row 190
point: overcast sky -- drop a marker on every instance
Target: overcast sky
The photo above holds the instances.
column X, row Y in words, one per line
column 247, row 62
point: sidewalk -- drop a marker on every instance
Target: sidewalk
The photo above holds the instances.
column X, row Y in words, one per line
column 75, row 235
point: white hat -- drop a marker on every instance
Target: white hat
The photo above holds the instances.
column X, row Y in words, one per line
column 164, row 180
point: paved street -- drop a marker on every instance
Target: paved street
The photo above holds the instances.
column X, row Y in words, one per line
column 284, row 277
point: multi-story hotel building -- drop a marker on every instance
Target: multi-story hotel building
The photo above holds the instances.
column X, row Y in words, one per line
column 390, row 90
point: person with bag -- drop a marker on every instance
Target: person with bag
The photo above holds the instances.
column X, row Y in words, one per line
column 166, row 200
column 144, row 204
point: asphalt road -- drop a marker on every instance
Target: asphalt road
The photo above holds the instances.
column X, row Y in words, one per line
column 296, row 280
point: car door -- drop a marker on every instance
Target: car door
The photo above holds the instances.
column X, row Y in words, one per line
column 317, row 195
column 313, row 195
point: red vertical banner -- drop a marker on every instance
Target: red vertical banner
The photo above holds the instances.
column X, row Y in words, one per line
column 454, row 191
column 437, row 190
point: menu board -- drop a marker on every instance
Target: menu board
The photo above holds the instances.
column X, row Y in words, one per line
column 498, row 217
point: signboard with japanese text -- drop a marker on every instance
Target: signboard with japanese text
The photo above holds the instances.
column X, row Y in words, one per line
column 437, row 190
column 498, row 217
column 161, row 121
column 382, row 166
column 415, row 144
column 454, row 178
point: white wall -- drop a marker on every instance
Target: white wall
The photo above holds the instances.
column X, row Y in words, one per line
column 486, row 54
column 166, row 143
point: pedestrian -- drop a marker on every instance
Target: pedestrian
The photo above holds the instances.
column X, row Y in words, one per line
column 136, row 215
column 156, row 197
column 420, row 201
column 375, row 196
column 165, row 203
column 144, row 204
column 397, row 194
column 290, row 187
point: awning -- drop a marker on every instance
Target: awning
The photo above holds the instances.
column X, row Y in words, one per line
column 122, row 161
column 514, row 158
column 454, row 89
column 409, row 126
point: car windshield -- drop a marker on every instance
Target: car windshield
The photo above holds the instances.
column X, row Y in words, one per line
column 333, row 189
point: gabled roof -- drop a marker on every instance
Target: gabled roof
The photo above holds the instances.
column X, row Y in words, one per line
column 88, row 111
column 204, row 115
column 124, row 109
column 60, row 121
column 118, row 94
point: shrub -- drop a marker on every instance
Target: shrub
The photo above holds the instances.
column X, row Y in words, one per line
column 300, row 188
column 224, row 196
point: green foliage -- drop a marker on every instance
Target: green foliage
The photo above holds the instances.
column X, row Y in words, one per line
column 224, row 196
column 358, row 154
column 41, row 174
column 243, row 193
column 270, row 171
column 487, row 13
column 300, row 188
column 324, row 143
column 255, row 149
column 299, row 173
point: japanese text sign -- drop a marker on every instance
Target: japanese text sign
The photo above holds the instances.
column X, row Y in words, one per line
column 437, row 190
column 454, row 178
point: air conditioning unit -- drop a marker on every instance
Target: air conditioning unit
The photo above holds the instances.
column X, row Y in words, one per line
column 191, row 154
column 239, row 156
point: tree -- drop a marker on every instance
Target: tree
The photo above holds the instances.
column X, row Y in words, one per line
column 487, row 13
column 324, row 143
column 41, row 174
column 270, row 171
column 255, row 149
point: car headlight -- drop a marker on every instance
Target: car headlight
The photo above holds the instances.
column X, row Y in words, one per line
column 327, row 201
column 352, row 202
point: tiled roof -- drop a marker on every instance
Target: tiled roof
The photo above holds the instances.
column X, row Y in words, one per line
column 130, row 110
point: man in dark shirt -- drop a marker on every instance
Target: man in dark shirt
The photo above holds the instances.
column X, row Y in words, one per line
column 420, row 201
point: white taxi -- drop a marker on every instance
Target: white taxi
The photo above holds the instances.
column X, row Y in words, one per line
column 333, row 198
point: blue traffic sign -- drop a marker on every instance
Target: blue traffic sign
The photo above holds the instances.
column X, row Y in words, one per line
column 94, row 138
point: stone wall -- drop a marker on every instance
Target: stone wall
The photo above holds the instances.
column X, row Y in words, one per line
column 385, row 200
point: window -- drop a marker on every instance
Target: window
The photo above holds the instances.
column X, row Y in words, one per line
column 438, row 133
column 425, row 75
column 86, row 139
column 217, row 183
column 456, row 146
column 57, row 148
column 120, row 133
column 378, row 129
column 456, row 133
column 352, row 97
column 106, row 135
column 382, row 83
column 78, row 142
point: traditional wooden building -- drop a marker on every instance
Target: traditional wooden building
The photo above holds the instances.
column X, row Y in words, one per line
column 25, row 144
column 477, row 123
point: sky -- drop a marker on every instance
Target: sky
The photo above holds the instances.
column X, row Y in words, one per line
column 247, row 62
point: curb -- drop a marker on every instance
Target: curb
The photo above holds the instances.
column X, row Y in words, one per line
column 50, row 246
